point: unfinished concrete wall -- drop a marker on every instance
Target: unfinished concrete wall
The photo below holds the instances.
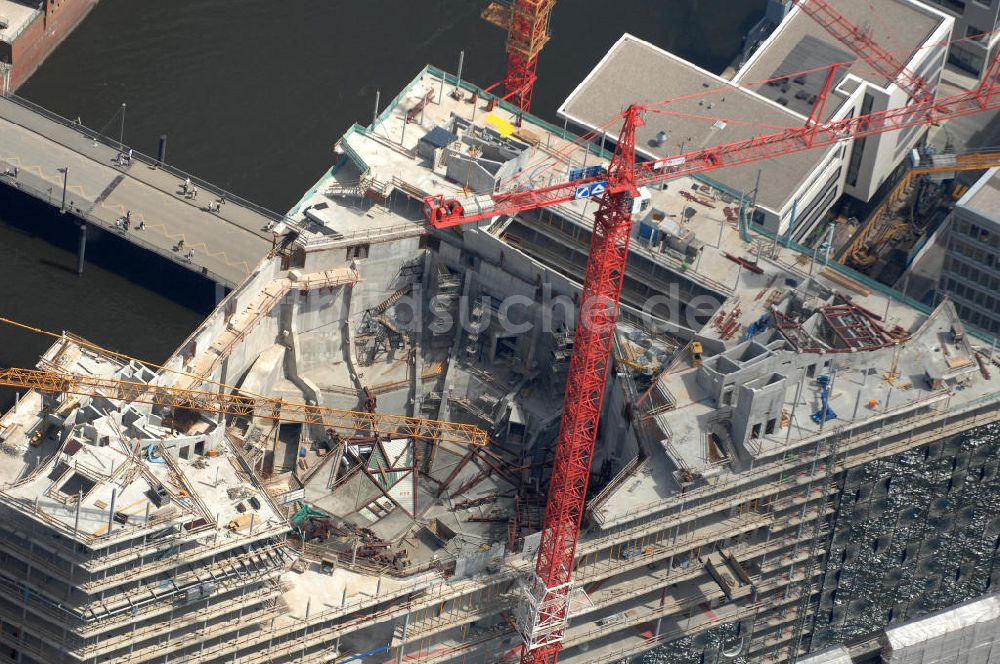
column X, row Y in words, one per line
column 245, row 353
column 618, row 438
column 741, row 364
column 757, row 408
column 318, row 317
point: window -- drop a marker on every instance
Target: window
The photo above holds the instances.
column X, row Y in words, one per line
column 429, row 242
column 957, row 6
column 977, row 34
column 357, row 251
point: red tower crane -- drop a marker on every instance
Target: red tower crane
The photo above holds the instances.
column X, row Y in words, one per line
column 543, row 616
column 527, row 26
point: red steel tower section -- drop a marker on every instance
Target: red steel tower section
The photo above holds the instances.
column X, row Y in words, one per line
column 527, row 26
column 544, row 616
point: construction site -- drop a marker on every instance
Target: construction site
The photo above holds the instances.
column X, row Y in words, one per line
column 913, row 210
column 502, row 393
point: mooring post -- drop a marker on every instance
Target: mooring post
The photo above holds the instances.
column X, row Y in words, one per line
column 62, row 208
column 83, row 249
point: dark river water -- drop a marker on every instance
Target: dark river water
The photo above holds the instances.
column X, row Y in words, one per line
column 252, row 95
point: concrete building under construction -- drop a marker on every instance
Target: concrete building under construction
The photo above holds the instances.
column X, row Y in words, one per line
column 788, row 459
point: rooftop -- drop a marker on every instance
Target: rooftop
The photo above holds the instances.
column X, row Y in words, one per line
column 100, row 471
column 929, row 366
column 800, row 43
column 969, row 628
column 14, row 17
column 983, row 197
column 709, row 111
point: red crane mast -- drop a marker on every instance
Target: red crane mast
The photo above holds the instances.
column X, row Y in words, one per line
column 527, row 25
column 542, row 618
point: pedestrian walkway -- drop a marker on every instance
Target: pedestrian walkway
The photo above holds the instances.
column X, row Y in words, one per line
column 189, row 222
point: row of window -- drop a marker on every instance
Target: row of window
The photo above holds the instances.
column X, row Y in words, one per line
column 977, row 255
column 991, row 239
column 971, row 273
column 978, row 318
column 820, row 203
column 974, row 307
column 958, row 6
column 858, row 151
column 973, row 295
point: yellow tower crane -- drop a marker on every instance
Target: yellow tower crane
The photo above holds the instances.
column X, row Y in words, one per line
column 242, row 405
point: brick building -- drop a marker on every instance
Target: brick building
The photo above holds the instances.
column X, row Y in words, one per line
column 29, row 31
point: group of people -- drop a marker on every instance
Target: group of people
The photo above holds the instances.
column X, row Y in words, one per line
column 124, row 158
column 180, row 247
column 125, row 223
column 188, row 189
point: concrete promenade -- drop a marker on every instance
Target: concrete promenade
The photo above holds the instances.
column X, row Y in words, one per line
column 223, row 245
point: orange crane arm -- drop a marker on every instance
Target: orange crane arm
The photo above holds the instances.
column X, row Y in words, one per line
column 972, row 161
column 241, row 405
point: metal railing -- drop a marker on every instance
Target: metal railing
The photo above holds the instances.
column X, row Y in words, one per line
column 47, row 195
column 94, row 135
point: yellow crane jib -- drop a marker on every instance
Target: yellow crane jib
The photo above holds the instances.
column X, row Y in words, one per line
column 243, row 405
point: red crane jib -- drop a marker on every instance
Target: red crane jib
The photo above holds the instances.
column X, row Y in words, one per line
column 445, row 213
